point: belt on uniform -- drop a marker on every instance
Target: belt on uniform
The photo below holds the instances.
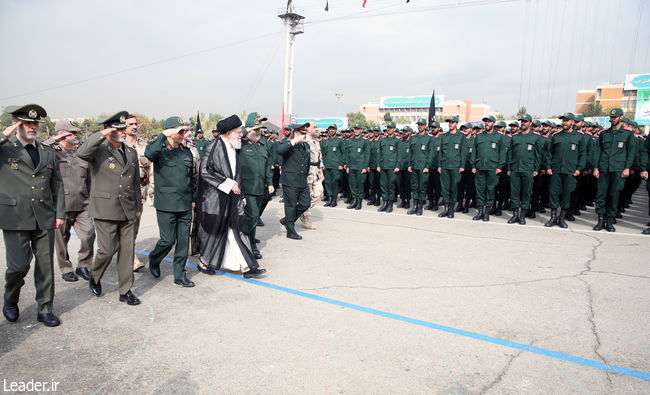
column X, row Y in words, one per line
column 317, row 164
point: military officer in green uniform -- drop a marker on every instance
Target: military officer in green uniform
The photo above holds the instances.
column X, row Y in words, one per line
column 295, row 169
column 257, row 176
column 524, row 158
column 616, row 155
column 466, row 187
column 388, row 167
column 451, row 167
column 419, row 167
column 32, row 205
column 567, row 156
column 115, row 202
column 487, row 161
column 404, row 177
column 201, row 142
column 175, row 197
column 357, row 162
column 333, row 159
column 374, row 191
column 433, row 189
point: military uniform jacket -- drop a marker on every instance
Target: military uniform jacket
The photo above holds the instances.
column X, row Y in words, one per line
column 617, row 150
column 566, row 152
column 546, row 147
column 333, row 153
column 524, row 154
column 115, row 188
column 452, row 151
column 296, row 163
column 586, row 139
column 75, row 173
column 389, row 155
column 374, row 152
column 256, row 172
column 173, row 170
column 421, row 151
column 201, row 145
column 404, row 156
column 358, row 154
column 470, row 143
column 435, row 150
column 489, row 151
column 30, row 197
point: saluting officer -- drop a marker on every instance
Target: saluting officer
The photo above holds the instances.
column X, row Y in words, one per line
column 175, row 197
column 333, row 158
column 75, row 173
column 567, row 156
column 452, row 162
column 419, row 167
column 524, row 161
column 388, row 166
column 488, row 159
column 358, row 159
column 31, row 206
column 115, row 202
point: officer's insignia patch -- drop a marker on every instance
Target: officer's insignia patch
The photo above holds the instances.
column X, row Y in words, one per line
column 111, row 166
column 32, row 114
column 494, row 145
column 358, row 149
column 530, row 147
column 437, row 148
column 122, row 119
column 613, row 112
column 573, row 147
column 50, row 166
column 391, row 148
column 456, row 146
column 621, row 144
column 14, row 166
column 333, row 149
column 470, row 149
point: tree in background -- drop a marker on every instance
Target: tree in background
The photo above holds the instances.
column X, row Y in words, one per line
column 402, row 121
column 357, row 118
column 522, row 111
column 387, row 117
column 595, row 110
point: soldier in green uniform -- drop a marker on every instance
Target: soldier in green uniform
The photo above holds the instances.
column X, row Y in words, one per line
column 388, row 167
column 452, row 161
column 434, row 190
column 175, row 197
column 616, row 156
column 404, row 177
column 523, row 165
column 566, row 160
column 115, row 202
column 201, row 142
column 466, row 187
column 357, row 161
column 487, row 161
column 373, row 175
column 274, row 160
column 295, row 169
column 32, row 206
column 256, row 176
column 421, row 160
column 333, row 159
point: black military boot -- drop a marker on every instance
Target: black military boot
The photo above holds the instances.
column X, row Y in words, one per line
column 531, row 214
column 466, row 206
column 560, row 219
column 430, row 205
column 371, row 200
column 497, row 211
column 522, row 216
column 479, row 215
column 600, row 225
column 383, row 207
column 609, row 224
column 445, row 210
column 542, row 210
column 407, row 203
column 515, row 216
column 414, row 210
column 486, row 213
column 472, row 203
column 493, row 209
column 450, row 214
column 358, row 206
column 325, row 198
column 389, row 208
column 402, row 203
column 553, row 220
column 569, row 215
column 377, row 200
column 348, row 200
column 435, row 204
column 329, row 201
column 420, row 207
column 334, row 201
column 353, row 204
column 459, row 207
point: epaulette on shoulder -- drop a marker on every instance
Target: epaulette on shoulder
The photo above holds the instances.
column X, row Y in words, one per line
column 501, row 133
column 580, row 131
column 55, row 147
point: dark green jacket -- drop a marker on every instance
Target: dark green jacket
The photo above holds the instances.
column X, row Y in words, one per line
column 617, row 150
column 489, row 151
column 201, row 145
column 470, row 143
column 173, row 170
column 567, row 152
column 435, row 151
column 358, row 154
column 295, row 160
column 452, row 150
column 421, row 151
column 404, row 147
column 389, row 158
column 525, row 153
column 374, row 153
column 256, row 172
column 333, row 153
column 30, row 197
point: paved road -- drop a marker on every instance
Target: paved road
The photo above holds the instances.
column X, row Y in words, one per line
column 367, row 303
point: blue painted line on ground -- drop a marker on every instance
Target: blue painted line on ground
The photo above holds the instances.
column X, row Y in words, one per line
column 443, row 328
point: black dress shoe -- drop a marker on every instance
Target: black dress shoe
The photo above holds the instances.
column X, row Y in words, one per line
column 70, row 277
column 207, row 270
column 254, row 273
column 257, row 241
column 10, row 312
column 260, row 222
column 185, row 283
column 154, row 269
column 294, row 236
column 129, row 298
column 48, row 319
column 95, row 287
column 645, row 232
column 282, row 221
column 83, row 272
column 257, row 254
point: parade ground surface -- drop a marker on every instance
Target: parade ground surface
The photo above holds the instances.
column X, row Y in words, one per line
column 367, row 303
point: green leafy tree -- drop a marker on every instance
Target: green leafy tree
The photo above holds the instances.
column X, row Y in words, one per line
column 388, row 117
column 500, row 117
column 595, row 110
column 402, row 121
column 357, row 118
column 522, row 111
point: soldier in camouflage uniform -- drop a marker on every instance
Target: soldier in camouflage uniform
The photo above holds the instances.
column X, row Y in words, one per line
column 315, row 175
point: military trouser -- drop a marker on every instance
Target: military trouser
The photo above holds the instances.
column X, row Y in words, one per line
column 296, row 202
column 486, row 182
column 252, row 212
column 388, row 180
column 560, row 190
column 449, row 180
column 609, row 185
column 521, row 186
column 276, row 178
column 503, row 188
column 266, row 198
column 535, row 193
column 374, row 180
column 356, row 180
column 345, row 183
column 20, row 246
column 174, row 229
column 331, row 182
column 83, row 226
column 545, row 190
column 467, row 188
column 315, row 190
column 404, row 184
column 419, row 181
column 433, row 189
column 195, row 240
column 630, row 185
column 115, row 237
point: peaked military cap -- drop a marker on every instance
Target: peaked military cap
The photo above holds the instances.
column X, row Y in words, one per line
column 616, row 112
column 117, row 121
column 65, row 125
column 254, row 120
column 537, row 123
column 580, row 117
column 489, row 118
column 358, row 126
column 333, row 126
column 568, row 115
column 407, row 128
column 466, row 125
column 514, row 123
column 435, row 124
column 174, row 122
column 28, row 112
column 302, row 128
column 501, row 124
column 526, row 117
column 391, row 125
column 452, row 119
column 479, row 126
column 422, row 121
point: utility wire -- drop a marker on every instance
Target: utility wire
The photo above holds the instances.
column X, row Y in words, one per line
column 636, row 34
column 524, row 40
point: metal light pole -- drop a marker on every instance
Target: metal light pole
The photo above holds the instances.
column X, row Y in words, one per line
column 294, row 26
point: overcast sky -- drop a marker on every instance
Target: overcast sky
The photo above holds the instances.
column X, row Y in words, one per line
column 163, row 58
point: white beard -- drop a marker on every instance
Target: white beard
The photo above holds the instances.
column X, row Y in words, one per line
column 236, row 143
